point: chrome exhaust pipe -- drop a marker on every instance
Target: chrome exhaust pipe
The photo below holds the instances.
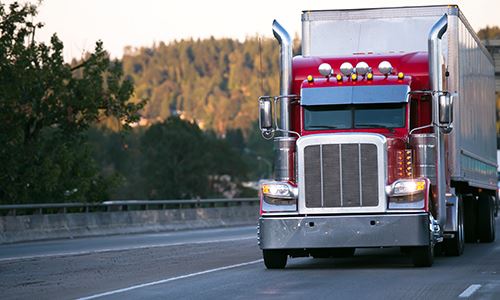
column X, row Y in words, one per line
column 284, row 146
column 285, row 73
column 436, row 78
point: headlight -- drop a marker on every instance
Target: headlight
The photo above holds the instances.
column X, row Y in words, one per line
column 274, row 189
column 408, row 194
column 405, row 187
column 278, row 197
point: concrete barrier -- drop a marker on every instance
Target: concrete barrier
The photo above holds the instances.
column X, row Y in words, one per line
column 54, row 226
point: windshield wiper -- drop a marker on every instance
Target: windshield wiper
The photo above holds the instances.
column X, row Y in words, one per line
column 391, row 129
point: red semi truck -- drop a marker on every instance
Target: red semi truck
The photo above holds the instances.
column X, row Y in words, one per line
column 385, row 136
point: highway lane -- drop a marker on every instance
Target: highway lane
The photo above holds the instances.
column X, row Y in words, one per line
column 78, row 246
column 71, row 273
column 232, row 269
column 372, row 274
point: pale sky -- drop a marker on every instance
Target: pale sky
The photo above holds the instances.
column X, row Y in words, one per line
column 118, row 23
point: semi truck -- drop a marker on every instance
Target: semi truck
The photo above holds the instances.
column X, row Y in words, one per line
column 384, row 136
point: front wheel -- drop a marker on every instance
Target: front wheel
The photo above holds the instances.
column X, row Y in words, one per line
column 274, row 258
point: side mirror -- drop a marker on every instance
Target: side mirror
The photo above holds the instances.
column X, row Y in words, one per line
column 266, row 117
column 446, row 112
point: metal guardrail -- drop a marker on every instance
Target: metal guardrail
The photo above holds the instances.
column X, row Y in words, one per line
column 118, row 205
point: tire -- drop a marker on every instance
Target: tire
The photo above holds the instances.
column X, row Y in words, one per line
column 455, row 246
column 274, row 259
column 470, row 219
column 422, row 256
column 486, row 218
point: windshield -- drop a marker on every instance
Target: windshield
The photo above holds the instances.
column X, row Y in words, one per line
column 386, row 115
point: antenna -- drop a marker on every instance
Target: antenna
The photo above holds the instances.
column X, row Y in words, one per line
column 261, row 71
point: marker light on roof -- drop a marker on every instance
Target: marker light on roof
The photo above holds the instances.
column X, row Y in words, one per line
column 401, row 75
column 310, row 78
column 339, row 77
column 385, row 67
column 362, row 68
column 325, row 70
column 346, row 69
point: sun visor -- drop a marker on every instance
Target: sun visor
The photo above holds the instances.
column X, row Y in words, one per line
column 354, row 94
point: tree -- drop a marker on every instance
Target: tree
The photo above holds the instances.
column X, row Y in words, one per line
column 180, row 161
column 489, row 33
column 176, row 161
column 46, row 105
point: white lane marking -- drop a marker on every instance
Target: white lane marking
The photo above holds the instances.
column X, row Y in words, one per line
column 134, row 287
column 469, row 291
column 104, row 250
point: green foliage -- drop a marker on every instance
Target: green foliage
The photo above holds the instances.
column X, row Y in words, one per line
column 174, row 161
column 45, row 106
column 215, row 82
column 202, row 104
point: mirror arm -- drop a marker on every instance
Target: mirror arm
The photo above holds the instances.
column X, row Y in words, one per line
column 277, row 128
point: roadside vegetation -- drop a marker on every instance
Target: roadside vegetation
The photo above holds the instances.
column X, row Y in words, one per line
column 172, row 121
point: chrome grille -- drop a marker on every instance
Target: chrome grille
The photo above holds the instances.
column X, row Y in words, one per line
column 341, row 175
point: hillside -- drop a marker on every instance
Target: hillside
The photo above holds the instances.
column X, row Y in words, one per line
column 215, row 81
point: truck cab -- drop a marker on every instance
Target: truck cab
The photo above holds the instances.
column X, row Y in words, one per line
column 367, row 152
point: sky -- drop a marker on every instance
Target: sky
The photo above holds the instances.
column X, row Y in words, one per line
column 119, row 23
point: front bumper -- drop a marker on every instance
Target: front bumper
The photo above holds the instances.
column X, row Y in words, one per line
column 344, row 231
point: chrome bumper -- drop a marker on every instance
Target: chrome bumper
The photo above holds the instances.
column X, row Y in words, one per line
column 344, row 231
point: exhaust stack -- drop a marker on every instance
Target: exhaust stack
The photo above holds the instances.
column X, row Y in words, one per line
column 436, row 77
column 285, row 73
column 284, row 146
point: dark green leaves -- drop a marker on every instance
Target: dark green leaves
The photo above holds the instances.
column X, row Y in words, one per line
column 45, row 106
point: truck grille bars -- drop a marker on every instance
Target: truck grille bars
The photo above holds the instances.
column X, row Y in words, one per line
column 341, row 174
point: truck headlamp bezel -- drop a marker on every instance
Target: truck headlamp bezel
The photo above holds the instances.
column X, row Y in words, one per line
column 404, row 194
column 277, row 197
column 406, row 187
column 278, row 190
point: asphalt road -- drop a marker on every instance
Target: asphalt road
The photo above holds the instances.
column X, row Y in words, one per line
column 226, row 264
